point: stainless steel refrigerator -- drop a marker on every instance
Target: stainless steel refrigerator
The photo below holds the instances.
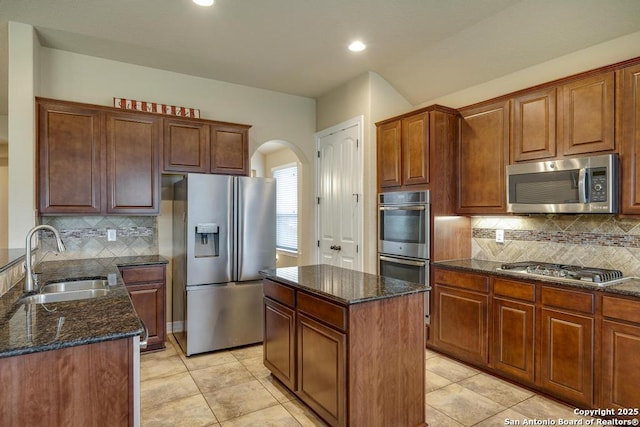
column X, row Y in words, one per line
column 224, row 233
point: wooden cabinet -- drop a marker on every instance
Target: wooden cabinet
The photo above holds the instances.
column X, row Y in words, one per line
column 461, row 315
column 482, row 158
column 86, row 385
column 133, row 177
column 513, row 318
column 146, row 286
column 70, row 159
column 534, row 126
column 185, row 146
column 567, row 344
column 620, row 349
column 279, row 343
column 403, row 151
column 335, row 362
column 630, row 139
column 586, row 115
column 230, row 149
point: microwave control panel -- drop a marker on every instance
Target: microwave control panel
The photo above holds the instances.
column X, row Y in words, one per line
column 598, row 185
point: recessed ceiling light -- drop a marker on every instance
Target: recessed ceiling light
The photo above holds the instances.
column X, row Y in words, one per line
column 204, row 2
column 357, row 46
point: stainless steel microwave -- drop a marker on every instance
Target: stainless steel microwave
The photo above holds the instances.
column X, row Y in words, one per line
column 575, row 185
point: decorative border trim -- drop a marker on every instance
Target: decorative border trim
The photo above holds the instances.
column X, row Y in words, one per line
column 153, row 107
column 566, row 237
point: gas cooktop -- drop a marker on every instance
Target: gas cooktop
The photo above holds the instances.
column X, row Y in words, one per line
column 599, row 276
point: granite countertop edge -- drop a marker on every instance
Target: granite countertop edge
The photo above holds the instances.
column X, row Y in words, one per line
column 348, row 286
column 86, row 321
column 628, row 287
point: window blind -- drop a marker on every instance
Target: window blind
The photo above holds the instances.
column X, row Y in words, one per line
column 286, row 207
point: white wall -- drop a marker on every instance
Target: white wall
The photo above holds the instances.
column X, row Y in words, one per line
column 4, row 183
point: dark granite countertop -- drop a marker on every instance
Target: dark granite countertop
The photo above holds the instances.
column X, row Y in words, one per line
column 342, row 285
column 630, row 286
column 33, row 328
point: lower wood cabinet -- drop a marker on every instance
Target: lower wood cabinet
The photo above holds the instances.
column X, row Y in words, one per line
column 620, row 350
column 348, row 371
column 86, row 385
column 146, row 286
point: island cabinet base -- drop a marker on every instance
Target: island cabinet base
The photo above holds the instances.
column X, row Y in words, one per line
column 359, row 364
column 86, row 385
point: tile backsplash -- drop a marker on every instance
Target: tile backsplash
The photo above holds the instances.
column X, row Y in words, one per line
column 604, row 241
column 86, row 237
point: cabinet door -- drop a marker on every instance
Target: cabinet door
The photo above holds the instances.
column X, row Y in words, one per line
column 149, row 302
column 534, row 126
column 630, row 146
column 230, row 150
column 513, row 338
column 620, row 365
column 70, row 159
column 133, row 178
column 566, row 365
column 322, row 369
column 587, row 115
column 279, row 342
column 461, row 320
column 185, row 146
column 415, row 148
column 389, row 151
column 482, row 159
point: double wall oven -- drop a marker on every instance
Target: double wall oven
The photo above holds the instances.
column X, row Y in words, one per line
column 403, row 237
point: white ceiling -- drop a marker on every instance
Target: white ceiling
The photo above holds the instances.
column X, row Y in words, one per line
column 423, row 48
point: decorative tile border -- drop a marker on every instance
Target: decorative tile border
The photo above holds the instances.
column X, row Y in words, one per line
column 570, row 237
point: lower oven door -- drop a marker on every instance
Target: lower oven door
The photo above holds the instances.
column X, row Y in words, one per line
column 409, row 269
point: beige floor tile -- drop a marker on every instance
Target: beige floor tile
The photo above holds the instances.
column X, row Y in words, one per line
column 275, row 416
column 428, row 354
column 248, row 352
column 542, row 407
column 463, row 405
column 508, row 417
column 496, row 389
column 303, row 414
column 436, row 418
column 190, row 411
column 158, row 391
column 277, row 390
column 255, row 365
column 238, row 400
column 449, row 369
column 221, row 376
column 161, row 367
column 434, row 381
column 207, row 360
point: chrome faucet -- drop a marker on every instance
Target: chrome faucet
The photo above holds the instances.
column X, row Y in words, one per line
column 29, row 283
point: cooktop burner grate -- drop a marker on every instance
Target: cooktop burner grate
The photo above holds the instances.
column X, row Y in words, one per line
column 575, row 272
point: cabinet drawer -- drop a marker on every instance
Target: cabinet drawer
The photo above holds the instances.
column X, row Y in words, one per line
column 513, row 289
column 325, row 311
column 622, row 309
column 462, row 280
column 146, row 274
column 280, row 293
column 571, row 300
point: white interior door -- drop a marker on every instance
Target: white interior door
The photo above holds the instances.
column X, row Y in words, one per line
column 340, row 197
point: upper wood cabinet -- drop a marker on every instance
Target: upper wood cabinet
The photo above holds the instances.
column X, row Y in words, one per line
column 185, row 146
column 230, row 149
column 482, row 158
column 70, row 159
column 389, row 152
column 133, row 178
column 534, row 126
column 630, row 139
column 586, row 110
column 415, row 149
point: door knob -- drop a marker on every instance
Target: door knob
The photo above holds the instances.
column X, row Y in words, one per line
column 338, row 248
column 332, row 247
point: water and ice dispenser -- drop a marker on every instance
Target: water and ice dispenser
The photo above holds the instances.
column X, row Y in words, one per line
column 207, row 241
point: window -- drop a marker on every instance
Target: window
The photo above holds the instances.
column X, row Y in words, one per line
column 286, row 207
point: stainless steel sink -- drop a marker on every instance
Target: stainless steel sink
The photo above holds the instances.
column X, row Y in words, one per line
column 76, row 285
column 68, row 291
column 63, row 296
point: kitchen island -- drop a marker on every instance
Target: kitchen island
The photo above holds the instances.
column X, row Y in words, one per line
column 74, row 362
column 349, row 344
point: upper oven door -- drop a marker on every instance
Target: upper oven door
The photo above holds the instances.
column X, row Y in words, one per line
column 404, row 230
